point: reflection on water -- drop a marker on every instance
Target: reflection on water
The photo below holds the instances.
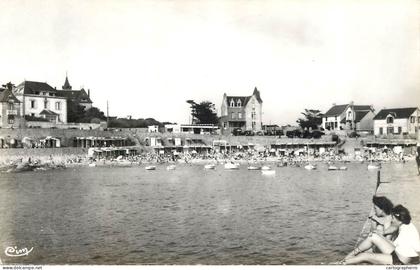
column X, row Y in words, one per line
column 185, row 216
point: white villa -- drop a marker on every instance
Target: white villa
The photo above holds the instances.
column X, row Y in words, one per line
column 397, row 121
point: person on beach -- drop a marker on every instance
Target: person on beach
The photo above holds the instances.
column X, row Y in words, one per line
column 403, row 250
column 381, row 220
column 418, row 158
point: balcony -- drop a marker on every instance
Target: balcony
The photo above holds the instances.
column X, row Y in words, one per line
column 11, row 112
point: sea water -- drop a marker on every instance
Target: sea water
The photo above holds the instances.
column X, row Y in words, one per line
column 111, row 215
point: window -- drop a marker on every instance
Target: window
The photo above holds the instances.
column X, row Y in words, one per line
column 32, row 114
column 224, row 124
column 11, row 106
column 239, row 103
column 389, row 120
column 399, row 130
column 45, row 104
column 58, row 106
column 239, row 115
column 412, row 119
column 418, row 119
column 11, row 119
column 233, row 115
column 33, row 104
column 390, row 130
column 381, row 131
column 335, row 124
column 232, row 104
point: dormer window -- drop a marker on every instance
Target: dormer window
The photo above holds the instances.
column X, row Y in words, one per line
column 232, row 103
column 239, row 103
column 390, row 120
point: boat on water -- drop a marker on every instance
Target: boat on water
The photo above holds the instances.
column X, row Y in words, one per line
column 232, row 166
column 268, row 172
column 310, row 167
column 171, row 167
column 92, row 165
column 373, row 166
column 254, row 168
column 332, row 168
column 343, row 168
column 265, row 168
column 209, row 166
column 150, row 168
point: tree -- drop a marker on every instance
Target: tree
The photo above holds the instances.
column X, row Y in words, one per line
column 92, row 113
column 133, row 123
column 77, row 113
column 313, row 119
column 203, row 112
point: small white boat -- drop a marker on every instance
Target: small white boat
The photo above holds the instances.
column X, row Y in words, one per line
column 265, row 168
column 343, row 168
column 209, row 166
column 171, row 167
column 268, row 172
column 232, row 166
column 373, row 167
column 254, row 168
column 310, row 167
column 150, row 168
column 92, row 164
column 332, row 168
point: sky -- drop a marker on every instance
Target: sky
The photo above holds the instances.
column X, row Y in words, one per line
column 148, row 57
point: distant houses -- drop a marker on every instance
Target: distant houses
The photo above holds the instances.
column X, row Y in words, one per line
column 10, row 112
column 349, row 117
column 243, row 112
column 403, row 121
column 39, row 101
column 35, row 102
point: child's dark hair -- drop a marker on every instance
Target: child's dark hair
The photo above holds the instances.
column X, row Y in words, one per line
column 383, row 203
column 402, row 214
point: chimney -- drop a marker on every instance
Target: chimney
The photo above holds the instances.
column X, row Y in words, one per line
column 88, row 92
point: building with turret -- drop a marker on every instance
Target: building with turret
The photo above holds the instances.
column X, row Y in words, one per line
column 80, row 97
column 244, row 112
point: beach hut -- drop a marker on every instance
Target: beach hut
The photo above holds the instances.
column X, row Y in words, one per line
column 28, row 142
column 51, row 142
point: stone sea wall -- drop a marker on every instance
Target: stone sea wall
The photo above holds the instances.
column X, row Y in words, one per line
column 139, row 136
